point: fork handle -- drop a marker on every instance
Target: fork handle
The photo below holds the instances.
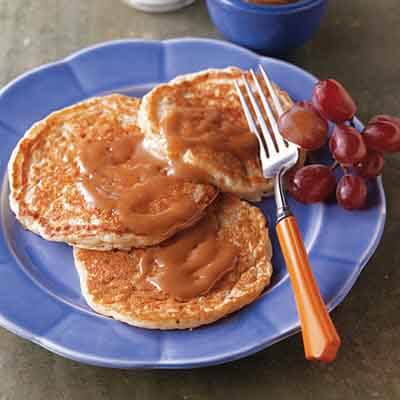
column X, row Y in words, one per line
column 320, row 338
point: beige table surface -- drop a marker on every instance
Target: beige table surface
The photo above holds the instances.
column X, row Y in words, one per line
column 359, row 45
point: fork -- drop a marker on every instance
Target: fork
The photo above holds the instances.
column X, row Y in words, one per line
column 320, row 338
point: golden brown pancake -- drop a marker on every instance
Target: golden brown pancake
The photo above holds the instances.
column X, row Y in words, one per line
column 202, row 274
column 82, row 176
column 197, row 121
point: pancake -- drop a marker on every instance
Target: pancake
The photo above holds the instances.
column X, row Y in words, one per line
column 197, row 121
column 82, row 176
column 202, row 274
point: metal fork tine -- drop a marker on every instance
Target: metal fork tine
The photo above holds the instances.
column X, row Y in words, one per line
column 251, row 122
column 264, row 128
column 280, row 142
column 247, row 113
column 275, row 98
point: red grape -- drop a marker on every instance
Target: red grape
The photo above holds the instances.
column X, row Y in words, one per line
column 371, row 165
column 383, row 134
column 333, row 101
column 385, row 118
column 312, row 184
column 303, row 125
column 347, row 145
column 351, row 192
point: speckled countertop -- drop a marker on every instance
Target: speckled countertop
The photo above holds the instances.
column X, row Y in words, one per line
column 359, row 45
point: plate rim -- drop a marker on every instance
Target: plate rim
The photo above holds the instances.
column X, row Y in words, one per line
column 206, row 360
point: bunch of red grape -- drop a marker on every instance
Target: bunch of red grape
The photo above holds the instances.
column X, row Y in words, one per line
column 360, row 155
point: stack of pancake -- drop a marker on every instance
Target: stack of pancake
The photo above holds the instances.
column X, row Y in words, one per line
column 150, row 195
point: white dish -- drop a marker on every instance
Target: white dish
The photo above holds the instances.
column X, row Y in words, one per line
column 158, row 6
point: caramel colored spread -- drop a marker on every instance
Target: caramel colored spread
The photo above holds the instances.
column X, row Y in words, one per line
column 191, row 263
column 120, row 175
column 186, row 128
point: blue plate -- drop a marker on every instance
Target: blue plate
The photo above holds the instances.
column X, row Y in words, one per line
column 40, row 297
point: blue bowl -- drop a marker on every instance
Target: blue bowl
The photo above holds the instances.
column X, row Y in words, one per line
column 265, row 28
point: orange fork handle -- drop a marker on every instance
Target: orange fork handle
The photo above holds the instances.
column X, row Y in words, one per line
column 320, row 338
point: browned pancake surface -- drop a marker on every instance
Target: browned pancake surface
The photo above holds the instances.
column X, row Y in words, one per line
column 213, row 92
column 45, row 178
column 112, row 281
